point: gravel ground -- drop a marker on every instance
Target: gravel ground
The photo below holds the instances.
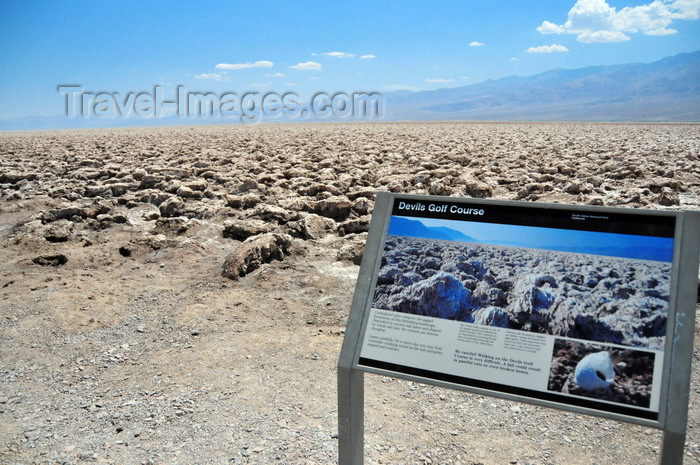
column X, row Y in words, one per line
column 137, row 351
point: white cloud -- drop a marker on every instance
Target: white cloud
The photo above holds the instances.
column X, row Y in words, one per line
column 214, row 76
column 275, row 75
column 514, row 59
column 596, row 21
column 438, row 81
column 687, row 9
column 367, row 57
column 393, row 87
column 335, row 54
column 307, row 66
column 547, row 49
column 255, row 64
column 660, row 32
column 476, row 44
column 550, row 28
column 602, row 37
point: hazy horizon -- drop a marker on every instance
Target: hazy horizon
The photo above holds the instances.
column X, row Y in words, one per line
column 124, row 50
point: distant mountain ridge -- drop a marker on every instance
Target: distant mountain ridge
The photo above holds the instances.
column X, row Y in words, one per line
column 413, row 228
column 659, row 254
column 657, row 249
column 666, row 90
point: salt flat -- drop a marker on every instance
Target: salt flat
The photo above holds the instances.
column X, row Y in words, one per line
column 121, row 342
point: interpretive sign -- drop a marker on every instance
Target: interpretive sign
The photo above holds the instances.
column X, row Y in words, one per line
column 579, row 308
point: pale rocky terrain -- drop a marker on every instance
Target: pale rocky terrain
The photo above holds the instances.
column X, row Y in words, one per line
column 122, row 342
column 596, row 298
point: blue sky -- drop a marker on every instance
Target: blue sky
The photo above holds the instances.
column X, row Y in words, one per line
column 566, row 240
column 314, row 46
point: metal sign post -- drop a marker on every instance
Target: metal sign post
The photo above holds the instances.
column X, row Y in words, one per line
column 351, row 390
column 674, row 430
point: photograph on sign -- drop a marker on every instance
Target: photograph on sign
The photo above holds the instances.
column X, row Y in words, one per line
column 536, row 302
column 591, row 370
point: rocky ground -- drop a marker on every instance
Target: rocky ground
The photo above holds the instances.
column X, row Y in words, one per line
column 122, row 342
column 597, row 298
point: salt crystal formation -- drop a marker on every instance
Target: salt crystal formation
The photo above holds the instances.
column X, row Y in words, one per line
column 626, row 376
column 591, row 297
column 595, row 371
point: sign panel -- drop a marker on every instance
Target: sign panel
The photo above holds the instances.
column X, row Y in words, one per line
column 555, row 304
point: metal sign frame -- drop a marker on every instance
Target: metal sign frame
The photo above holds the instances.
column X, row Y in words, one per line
column 671, row 417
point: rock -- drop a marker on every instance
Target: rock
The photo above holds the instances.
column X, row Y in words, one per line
column 187, row 193
column 478, row 189
column 199, row 185
column 105, row 220
column 172, row 186
column 657, row 184
column 157, row 242
column 243, row 201
column 351, row 252
column 296, row 204
column 310, row 226
column 337, row 208
column 150, row 181
column 173, row 206
column 317, row 188
column 174, row 225
column 151, row 216
column 248, row 185
column 14, row 177
column 241, row 230
column 50, row 260
column 422, row 177
column 668, row 197
column 274, row 213
column 361, row 206
column 362, row 193
column 119, row 189
column 530, row 188
column 576, row 187
column 154, row 197
column 250, row 254
column 354, row 225
column 139, row 174
column 595, row 371
column 491, row 316
column 32, row 435
column 57, row 233
column 96, row 190
column 70, row 211
column 439, row 188
column 441, row 295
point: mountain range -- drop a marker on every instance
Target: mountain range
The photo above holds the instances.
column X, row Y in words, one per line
column 666, row 90
column 571, row 241
column 400, row 226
